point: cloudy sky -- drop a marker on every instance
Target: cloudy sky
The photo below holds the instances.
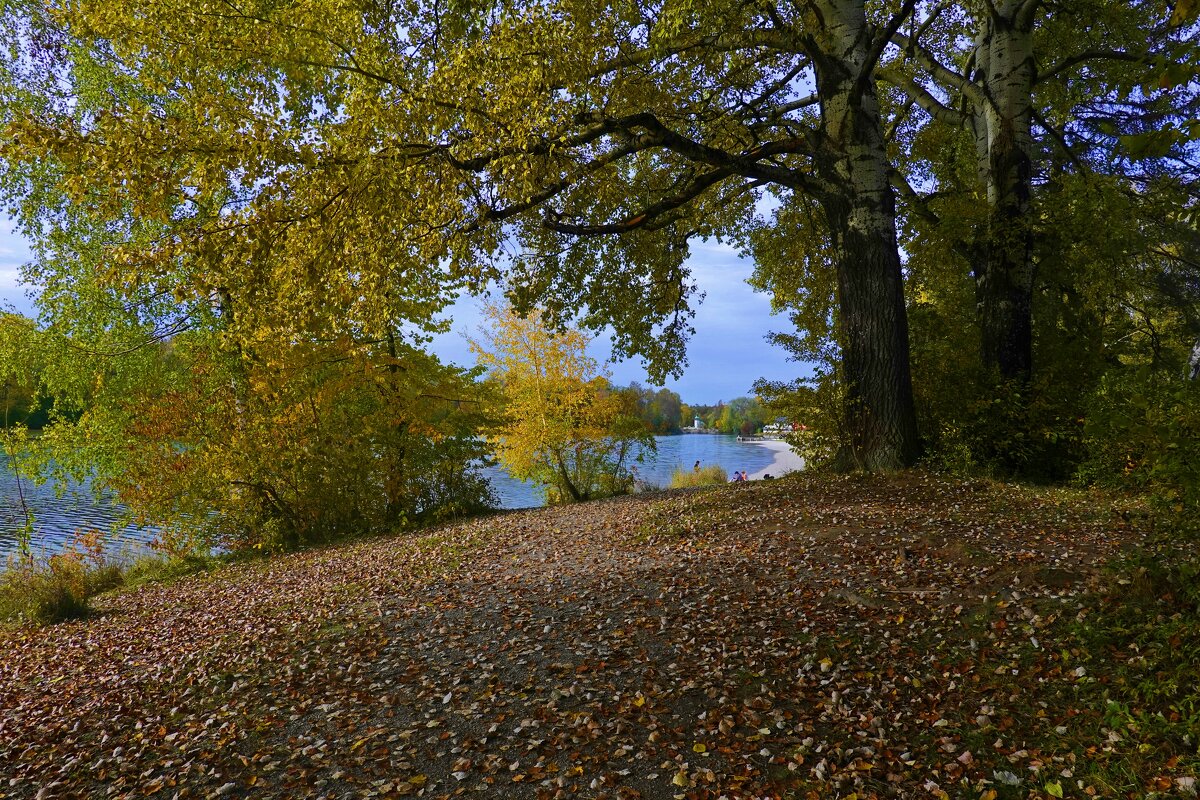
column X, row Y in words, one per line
column 726, row 355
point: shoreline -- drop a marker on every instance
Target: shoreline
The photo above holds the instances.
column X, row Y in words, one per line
column 785, row 461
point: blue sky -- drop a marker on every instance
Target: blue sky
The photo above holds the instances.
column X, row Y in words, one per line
column 726, row 354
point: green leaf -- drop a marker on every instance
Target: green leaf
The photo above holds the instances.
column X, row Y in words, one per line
column 1184, row 13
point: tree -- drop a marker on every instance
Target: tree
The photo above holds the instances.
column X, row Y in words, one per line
column 20, row 386
column 740, row 416
column 562, row 425
column 314, row 159
column 224, row 405
column 1031, row 84
column 660, row 411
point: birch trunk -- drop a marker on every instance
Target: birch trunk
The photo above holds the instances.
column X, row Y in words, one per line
column 879, row 409
column 1004, row 145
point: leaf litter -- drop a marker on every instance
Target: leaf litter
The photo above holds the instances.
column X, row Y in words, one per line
column 808, row 637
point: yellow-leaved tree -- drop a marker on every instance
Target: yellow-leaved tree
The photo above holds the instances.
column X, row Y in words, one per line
column 562, row 423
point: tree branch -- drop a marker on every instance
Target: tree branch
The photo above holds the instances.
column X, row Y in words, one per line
column 748, row 164
column 765, row 38
column 1085, row 56
column 1023, row 18
column 882, row 40
column 916, row 202
column 1062, row 142
column 921, row 96
column 490, row 214
column 702, row 183
column 945, row 75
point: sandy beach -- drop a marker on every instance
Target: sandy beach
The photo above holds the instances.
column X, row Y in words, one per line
column 785, row 460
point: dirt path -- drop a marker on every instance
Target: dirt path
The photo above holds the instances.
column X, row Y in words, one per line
column 801, row 637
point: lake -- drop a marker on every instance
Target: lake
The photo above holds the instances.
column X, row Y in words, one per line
column 673, row 452
column 58, row 517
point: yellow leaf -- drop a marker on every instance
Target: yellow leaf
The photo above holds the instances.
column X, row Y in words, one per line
column 699, row 748
column 681, row 778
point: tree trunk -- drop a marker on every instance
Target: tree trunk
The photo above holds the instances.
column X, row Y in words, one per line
column 1004, row 146
column 879, row 411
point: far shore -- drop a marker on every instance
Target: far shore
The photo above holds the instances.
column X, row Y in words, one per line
column 785, row 461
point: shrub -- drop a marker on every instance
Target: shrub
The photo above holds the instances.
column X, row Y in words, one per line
column 1143, row 430
column 711, row 475
column 979, row 425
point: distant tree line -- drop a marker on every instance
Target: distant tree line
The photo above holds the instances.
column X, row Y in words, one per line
column 742, row 415
column 660, row 409
column 20, row 405
column 664, row 413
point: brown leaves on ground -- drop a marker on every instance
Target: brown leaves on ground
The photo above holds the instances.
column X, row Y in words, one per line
column 808, row 637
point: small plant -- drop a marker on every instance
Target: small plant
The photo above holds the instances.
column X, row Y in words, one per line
column 711, row 475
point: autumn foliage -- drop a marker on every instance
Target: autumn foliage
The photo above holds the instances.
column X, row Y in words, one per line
column 562, row 423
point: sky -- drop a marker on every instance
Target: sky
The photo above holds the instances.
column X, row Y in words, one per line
column 726, row 355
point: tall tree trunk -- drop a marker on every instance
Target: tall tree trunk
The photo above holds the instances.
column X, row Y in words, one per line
column 1004, row 146
column 879, row 411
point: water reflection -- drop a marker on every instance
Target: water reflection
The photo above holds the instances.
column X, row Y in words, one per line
column 58, row 516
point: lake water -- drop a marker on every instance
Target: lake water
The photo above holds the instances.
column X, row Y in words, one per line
column 59, row 517
column 673, row 452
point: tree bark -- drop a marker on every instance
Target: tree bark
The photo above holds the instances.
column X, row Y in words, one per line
column 1002, row 126
column 879, row 412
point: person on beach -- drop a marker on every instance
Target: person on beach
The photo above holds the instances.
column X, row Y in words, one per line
column 744, row 476
column 696, row 466
column 737, row 477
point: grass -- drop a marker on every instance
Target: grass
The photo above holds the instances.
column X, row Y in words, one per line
column 711, row 475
